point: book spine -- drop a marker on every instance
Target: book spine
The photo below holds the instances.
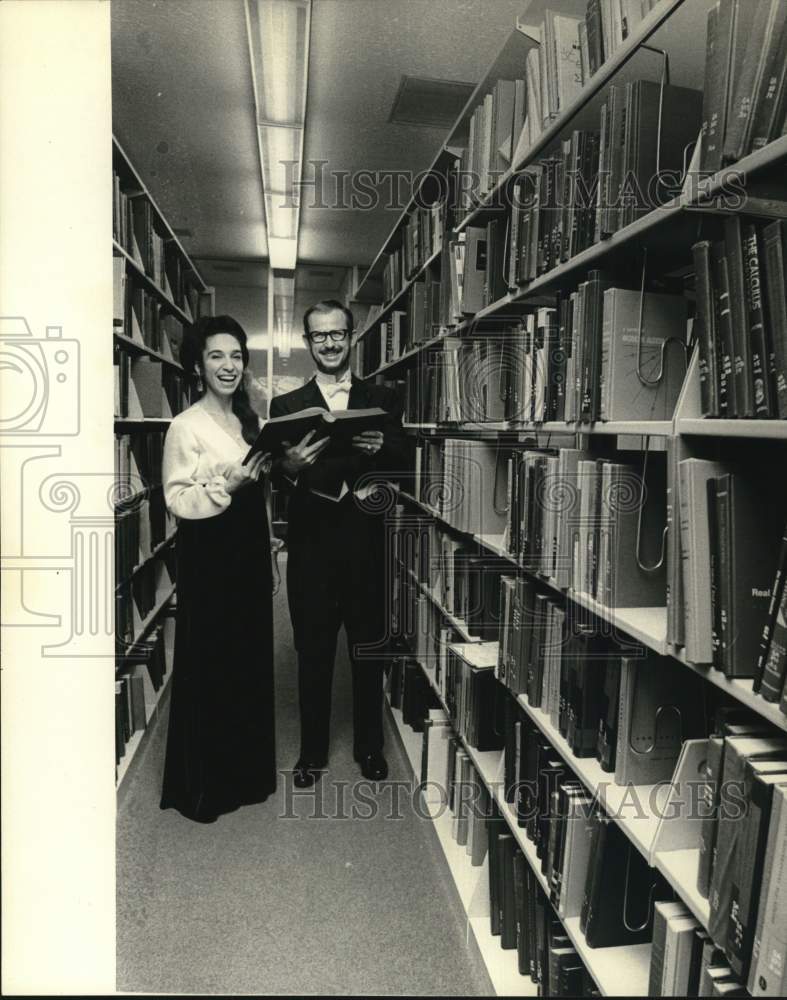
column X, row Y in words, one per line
column 776, row 664
column 768, row 974
column 709, row 802
column 755, row 321
column 777, row 311
column 742, row 360
column 724, row 574
column 770, row 621
column 723, row 315
column 715, row 573
column 764, row 116
column 709, row 380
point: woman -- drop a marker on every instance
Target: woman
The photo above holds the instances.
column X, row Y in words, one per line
column 220, row 742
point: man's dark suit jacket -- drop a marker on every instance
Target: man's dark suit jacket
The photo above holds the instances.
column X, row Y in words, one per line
column 337, row 550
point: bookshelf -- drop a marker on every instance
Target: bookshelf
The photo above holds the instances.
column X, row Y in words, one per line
column 652, row 247
column 157, row 292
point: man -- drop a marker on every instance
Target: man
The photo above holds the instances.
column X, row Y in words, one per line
column 336, row 566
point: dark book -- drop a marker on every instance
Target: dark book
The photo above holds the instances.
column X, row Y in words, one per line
column 750, row 527
column 496, row 828
column 723, row 321
column 533, row 892
column 759, row 781
column 776, row 596
column 521, row 868
column 623, row 890
column 595, row 35
column 705, row 330
column 718, row 70
column 737, row 750
column 701, row 940
column 741, row 339
column 508, row 917
column 767, row 109
column 774, row 238
column 596, row 285
column 758, row 334
column 606, row 743
column 717, row 619
column 709, row 793
column 752, row 34
column 340, row 426
column 775, row 668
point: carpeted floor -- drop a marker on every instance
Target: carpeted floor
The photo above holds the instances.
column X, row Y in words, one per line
column 293, row 896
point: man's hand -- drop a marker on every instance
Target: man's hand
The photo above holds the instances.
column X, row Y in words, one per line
column 303, row 455
column 368, row 442
column 240, row 475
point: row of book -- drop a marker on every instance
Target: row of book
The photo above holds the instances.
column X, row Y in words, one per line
column 684, row 961
column 732, row 522
column 138, row 457
column 608, row 698
column 494, row 125
column 604, row 354
column 465, row 583
column 588, row 524
column 521, row 916
column 422, row 238
column 592, row 870
column 745, row 83
column 743, row 850
column 138, row 530
column 136, row 228
column 141, row 316
column 137, row 598
column 144, row 387
column 594, row 873
column 524, row 919
column 571, row 50
column 742, row 320
column 596, row 526
column 410, row 692
column 519, row 912
column 554, row 209
column 135, row 689
column 402, row 329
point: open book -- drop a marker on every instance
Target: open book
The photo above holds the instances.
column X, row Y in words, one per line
column 340, row 426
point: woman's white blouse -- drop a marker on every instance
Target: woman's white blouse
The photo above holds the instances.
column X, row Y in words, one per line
column 197, row 456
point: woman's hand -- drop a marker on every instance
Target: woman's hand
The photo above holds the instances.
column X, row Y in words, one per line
column 239, row 475
column 302, row 455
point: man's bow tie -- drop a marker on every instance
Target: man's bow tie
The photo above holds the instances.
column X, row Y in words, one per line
column 330, row 389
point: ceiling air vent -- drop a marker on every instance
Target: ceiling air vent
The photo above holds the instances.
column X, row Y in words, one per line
column 429, row 103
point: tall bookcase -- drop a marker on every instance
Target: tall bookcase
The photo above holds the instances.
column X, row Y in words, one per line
column 411, row 328
column 157, row 292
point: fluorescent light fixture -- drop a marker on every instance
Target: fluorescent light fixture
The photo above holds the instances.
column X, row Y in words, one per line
column 278, row 33
column 283, row 309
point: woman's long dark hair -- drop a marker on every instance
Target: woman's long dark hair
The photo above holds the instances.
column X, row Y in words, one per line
column 191, row 349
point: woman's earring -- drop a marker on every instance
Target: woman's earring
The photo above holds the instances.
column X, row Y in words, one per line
column 200, row 385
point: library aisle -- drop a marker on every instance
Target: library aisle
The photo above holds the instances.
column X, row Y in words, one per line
column 256, row 903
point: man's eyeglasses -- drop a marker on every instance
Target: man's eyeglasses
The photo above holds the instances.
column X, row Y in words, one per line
column 322, row 335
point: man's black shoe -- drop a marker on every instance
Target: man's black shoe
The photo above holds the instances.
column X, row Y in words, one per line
column 373, row 766
column 304, row 774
